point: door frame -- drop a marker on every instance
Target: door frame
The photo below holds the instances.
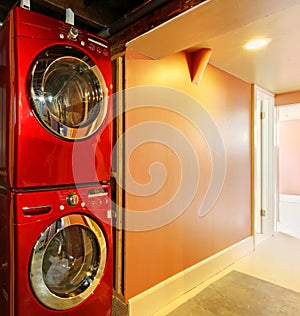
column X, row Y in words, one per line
column 264, row 184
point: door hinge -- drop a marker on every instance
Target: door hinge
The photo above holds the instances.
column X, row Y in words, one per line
column 262, row 115
column 262, row 212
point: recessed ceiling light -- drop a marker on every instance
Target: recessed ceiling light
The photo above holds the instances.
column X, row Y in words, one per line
column 257, row 43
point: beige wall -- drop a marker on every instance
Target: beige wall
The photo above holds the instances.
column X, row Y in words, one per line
column 289, row 157
column 154, row 255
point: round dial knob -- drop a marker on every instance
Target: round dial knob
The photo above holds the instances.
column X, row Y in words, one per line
column 72, row 33
column 72, row 199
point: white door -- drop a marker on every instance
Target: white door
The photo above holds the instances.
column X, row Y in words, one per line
column 263, row 163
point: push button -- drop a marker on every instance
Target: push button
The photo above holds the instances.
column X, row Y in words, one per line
column 92, row 47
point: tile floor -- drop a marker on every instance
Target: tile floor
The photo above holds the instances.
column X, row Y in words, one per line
column 240, row 294
column 276, row 260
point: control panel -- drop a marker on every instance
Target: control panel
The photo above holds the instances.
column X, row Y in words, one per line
column 86, row 40
column 94, row 199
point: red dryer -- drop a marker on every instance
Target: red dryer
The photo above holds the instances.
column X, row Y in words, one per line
column 55, row 160
column 55, row 109
column 56, row 252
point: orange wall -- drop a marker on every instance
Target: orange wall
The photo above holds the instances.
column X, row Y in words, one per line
column 287, row 98
column 289, row 157
column 152, row 256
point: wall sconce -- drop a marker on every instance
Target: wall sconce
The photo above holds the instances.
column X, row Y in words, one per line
column 198, row 63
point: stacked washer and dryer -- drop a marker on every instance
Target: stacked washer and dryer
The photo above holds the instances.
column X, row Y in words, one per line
column 55, row 159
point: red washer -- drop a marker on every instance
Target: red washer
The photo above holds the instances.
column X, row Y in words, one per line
column 54, row 103
column 57, row 254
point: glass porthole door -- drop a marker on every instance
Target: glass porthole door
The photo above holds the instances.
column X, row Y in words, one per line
column 68, row 93
column 67, row 262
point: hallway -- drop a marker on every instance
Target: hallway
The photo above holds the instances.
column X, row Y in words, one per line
column 276, row 260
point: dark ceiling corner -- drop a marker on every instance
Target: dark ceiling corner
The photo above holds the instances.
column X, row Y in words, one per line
column 119, row 21
column 145, row 23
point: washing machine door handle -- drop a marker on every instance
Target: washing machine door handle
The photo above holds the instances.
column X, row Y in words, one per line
column 67, row 262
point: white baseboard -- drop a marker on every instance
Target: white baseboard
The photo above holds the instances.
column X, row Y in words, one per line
column 171, row 289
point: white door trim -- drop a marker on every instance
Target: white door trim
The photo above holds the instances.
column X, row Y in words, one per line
column 264, row 163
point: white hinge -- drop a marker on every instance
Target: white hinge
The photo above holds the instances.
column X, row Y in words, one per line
column 25, row 4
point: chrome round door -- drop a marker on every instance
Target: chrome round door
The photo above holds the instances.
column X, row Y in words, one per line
column 67, row 262
column 68, row 93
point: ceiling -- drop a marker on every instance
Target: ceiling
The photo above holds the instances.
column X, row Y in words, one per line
column 90, row 14
column 225, row 26
column 188, row 25
column 116, row 20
